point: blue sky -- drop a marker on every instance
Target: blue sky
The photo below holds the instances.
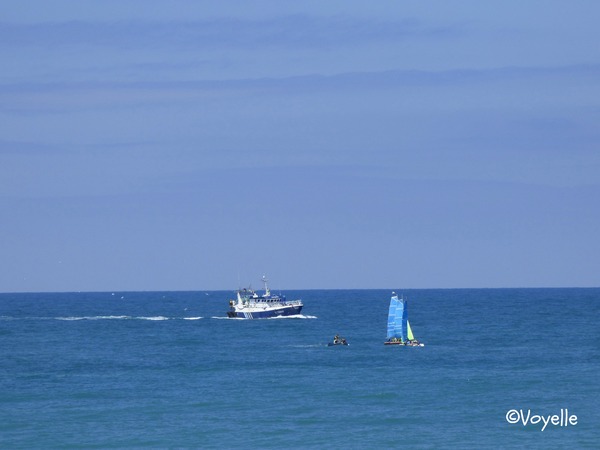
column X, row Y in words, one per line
column 190, row 145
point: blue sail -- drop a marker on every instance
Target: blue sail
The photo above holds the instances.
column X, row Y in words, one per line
column 391, row 325
column 400, row 320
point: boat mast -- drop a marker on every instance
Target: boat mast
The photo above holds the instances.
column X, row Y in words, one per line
column 264, row 280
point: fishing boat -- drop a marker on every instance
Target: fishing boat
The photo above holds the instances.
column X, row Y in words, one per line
column 249, row 305
column 399, row 331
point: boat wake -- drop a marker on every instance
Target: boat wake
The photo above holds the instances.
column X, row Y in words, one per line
column 151, row 318
column 295, row 316
column 93, row 318
column 308, row 346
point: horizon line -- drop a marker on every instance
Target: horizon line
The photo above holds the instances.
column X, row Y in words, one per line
column 296, row 289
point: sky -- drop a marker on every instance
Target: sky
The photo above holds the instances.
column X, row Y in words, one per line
column 192, row 145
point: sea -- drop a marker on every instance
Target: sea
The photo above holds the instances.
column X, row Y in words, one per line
column 501, row 368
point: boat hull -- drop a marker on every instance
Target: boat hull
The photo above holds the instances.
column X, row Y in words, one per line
column 246, row 313
column 403, row 344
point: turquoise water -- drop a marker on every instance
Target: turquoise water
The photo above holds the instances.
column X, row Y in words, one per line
column 167, row 369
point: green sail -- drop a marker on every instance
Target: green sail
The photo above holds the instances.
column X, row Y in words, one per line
column 410, row 333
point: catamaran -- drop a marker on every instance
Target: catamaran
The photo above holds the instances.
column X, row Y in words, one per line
column 250, row 305
column 398, row 327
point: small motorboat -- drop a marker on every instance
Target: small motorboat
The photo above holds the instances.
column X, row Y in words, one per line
column 338, row 340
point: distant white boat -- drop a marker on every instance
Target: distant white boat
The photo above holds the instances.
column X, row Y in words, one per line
column 249, row 305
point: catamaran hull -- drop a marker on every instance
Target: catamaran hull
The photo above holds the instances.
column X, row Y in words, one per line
column 404, row 344
column 265, row 313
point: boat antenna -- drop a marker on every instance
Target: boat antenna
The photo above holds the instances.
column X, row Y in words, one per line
column 264, row 280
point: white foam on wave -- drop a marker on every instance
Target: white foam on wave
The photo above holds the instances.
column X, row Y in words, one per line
column 160, row 318
column 77, row 318
column 93, row 318
column 308, row 346
column 295, row 316
column 112, row 317
column 151, row 318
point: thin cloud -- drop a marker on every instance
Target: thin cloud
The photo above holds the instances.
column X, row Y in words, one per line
column 294, row 31
column 11, row 147
column 69, row 95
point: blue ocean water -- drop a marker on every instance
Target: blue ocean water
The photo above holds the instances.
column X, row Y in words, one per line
column 168, row 370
